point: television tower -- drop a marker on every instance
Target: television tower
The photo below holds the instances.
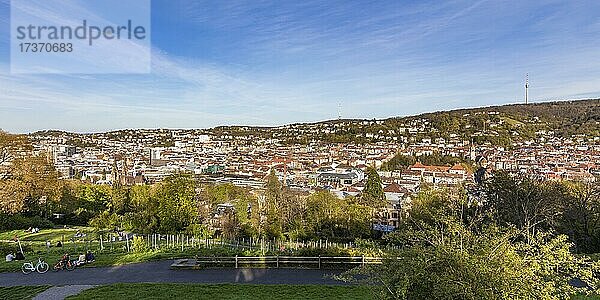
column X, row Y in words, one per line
column 526, row 88
column 339, row 110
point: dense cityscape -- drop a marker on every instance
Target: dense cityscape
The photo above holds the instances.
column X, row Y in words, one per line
column 145, row 156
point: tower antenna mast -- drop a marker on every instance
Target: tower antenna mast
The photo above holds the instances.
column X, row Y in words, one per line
column 526, row 88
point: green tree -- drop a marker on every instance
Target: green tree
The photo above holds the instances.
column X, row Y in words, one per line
column 119, row 200
column 272, row 223
column 523, row 202
column 144, row 215
column 106, row 221
column 94, row 198
column 399, row 162
column 373, row 194
column 580, row 219
column 437, row 159
column 11, row 145
column 176, row 203
column 329, row 217
column 445, row 255
column 356, row 218
column 322, row 214
column 31, row 183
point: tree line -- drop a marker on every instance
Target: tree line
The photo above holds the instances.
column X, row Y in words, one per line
column 181, row 204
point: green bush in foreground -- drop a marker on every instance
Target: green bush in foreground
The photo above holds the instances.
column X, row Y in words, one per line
column 223, row 291
column 446, row 252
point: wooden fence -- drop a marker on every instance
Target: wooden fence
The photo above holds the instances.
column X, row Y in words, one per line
column 316, row 262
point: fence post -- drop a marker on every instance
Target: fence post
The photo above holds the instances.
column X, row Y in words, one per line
column 101, row 245
column 363, row 260
column 236, row 261
column 127, row 241
column 277, row 261
column 319, row 261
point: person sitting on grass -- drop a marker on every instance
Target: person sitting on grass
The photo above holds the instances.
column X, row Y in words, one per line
column 89, row 257
column 81, row 260
column 10, row 257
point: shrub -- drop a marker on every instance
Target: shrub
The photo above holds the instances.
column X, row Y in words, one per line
column 200, row 231
column 12, row 222
column 105, row 220
column 79, row 217
column 321, row 252
column 140, row 245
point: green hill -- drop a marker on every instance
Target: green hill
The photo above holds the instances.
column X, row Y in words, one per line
column 498, row 125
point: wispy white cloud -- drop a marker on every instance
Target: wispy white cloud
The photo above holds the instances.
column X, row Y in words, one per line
column 295, row 61
column 106, row 56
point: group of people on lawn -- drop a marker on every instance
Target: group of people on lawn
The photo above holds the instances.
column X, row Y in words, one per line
column 83, row 259
column 86, row 258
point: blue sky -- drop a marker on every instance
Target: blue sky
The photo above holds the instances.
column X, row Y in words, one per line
column 270, row 63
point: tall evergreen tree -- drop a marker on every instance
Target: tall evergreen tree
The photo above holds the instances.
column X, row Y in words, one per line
column 373, row 194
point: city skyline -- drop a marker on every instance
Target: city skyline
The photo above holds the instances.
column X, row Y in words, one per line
column 272, row 64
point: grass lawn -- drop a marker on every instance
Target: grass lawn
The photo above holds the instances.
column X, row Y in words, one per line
column 223, row 291
column 102, row 259
column 21, row 292
column 53, row 235
column 113, row 254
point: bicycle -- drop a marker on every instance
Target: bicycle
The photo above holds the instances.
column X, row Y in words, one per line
column 41, row 267
column 64, row 263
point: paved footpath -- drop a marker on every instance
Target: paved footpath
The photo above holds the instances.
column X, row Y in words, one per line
column 160, row 272
column 61, row 292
